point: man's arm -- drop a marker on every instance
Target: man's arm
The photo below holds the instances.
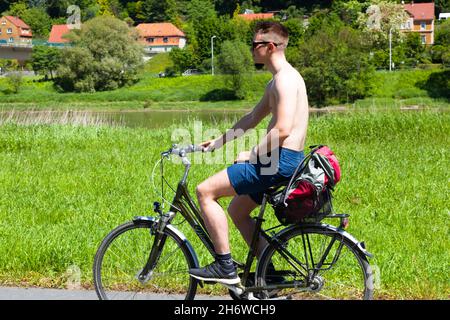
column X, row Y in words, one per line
column 285, row 93
column 248, row 121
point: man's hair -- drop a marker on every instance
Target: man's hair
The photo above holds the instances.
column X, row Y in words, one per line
column 275, row 28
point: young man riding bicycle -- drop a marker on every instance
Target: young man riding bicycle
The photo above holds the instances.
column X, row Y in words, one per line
column 285, row 98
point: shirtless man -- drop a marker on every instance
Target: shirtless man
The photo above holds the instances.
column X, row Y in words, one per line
column 286, row 99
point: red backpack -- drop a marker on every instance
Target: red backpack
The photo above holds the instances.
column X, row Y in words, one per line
column 308, row 193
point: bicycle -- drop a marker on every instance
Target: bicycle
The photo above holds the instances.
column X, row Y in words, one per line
column 310, row 260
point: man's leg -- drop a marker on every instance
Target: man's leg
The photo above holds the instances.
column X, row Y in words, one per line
column 208, row 192
column 239, row 210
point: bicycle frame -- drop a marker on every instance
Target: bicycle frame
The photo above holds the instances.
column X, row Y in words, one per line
column 184, row 204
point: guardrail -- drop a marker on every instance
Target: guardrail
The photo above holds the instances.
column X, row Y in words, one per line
column 16, row 44
column 4, row 43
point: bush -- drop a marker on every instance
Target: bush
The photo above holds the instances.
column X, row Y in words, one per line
column 446, row 58
column 45, row 60
column 14, row 81
column 182, row 59
column 106, row 56
column 437, row 85
column 235, row 61
column 170, row 72
column 335, row 66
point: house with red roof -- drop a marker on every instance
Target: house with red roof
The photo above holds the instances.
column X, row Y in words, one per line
column 57, row 34
column 421, row 20
column 14, row 30
column 250, row 15
column 160, row 37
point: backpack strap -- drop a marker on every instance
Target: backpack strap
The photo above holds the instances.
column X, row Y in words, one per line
column 326, row 166
column 299, row 168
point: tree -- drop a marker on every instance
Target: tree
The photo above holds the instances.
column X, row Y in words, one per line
column 225, row 7
column 160, row 10
column 36, row 17
column 443, row 34
column 110, row 7
column 292, row 12
column 183, row 59
column 39, row 21
column 14, row 81
column 235, row 61
column 350, row 11
column 105, row 56
column 295, row 30
column 45, row 60
column 335, row 66
column 200, row 9
column 381, row 17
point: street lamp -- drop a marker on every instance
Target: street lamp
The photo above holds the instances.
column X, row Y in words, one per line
column 212, row 54
column 390, row 49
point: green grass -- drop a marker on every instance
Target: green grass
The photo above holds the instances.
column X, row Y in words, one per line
column 63, row 188
column 400, row 84
column 390, row 89
column 158, row 63
column 149, row 92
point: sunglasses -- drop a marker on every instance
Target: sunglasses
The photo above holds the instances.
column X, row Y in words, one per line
column 256, row 44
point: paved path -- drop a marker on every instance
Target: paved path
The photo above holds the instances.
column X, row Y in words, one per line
column 13, row 293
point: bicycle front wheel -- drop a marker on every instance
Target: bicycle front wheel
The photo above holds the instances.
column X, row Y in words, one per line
column 122, row 256
column 315, row 262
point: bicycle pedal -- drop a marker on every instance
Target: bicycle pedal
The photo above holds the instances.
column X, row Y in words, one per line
column 238, row 288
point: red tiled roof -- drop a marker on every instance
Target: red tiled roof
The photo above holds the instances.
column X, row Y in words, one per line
column 256, row 16
column 421, row 11
column 164, row 29
column 18, row 22
column 58, row 30
column 25, row 30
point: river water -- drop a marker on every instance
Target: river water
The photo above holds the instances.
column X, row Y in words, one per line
column 145, row 119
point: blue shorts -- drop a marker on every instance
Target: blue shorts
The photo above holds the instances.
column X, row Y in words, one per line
column 252, row 178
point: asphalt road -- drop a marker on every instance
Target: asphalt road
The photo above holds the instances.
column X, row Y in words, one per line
column 13, row 293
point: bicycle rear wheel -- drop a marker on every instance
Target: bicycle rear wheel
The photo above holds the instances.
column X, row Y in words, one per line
column 316, row 262
column 122, row 256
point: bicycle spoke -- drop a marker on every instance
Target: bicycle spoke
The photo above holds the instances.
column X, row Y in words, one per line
column 337, row 271
column 124, row 259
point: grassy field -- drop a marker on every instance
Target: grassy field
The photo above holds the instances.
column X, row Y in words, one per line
column 63, row 188
column 390, row 90
column 149, row 92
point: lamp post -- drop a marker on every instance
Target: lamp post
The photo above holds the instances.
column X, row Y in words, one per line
column 390, row 49
column 212, row 54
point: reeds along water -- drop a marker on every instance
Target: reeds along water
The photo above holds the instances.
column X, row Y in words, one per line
column 78, row 118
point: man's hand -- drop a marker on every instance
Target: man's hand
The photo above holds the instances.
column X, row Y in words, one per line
column 243, row 156
column 247, row 156
column 209, row 145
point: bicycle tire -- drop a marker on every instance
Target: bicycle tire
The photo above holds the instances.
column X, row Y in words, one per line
column 128, row 286
column 343, row 280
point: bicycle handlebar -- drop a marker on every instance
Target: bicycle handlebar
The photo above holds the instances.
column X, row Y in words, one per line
column 182, row 151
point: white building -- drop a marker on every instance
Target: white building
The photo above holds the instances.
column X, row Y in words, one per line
column 160, row 37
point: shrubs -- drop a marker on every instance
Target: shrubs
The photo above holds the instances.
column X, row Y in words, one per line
column 106, row 56
column 12, row 84
column 335, row 66
column 438, row 85
column 235, row 61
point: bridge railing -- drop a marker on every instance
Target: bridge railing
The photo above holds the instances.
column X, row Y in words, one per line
column 37, row 42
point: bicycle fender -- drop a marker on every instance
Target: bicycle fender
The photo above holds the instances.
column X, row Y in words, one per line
column 152, row 220
column 359, row 245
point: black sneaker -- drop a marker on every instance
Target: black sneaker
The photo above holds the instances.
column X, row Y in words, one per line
column 214, row 272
